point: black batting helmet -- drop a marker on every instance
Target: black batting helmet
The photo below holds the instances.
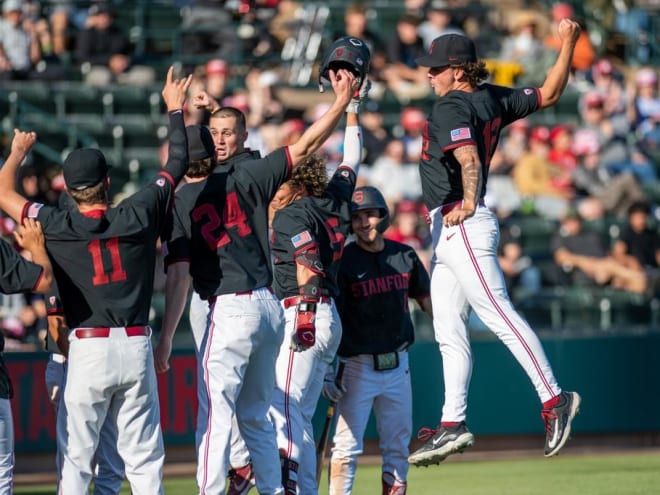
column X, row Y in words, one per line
column 368, row 197
column 349, row 53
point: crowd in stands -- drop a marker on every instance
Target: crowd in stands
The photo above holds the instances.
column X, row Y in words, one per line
column 589, row 169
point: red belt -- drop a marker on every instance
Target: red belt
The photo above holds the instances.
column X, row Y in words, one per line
column 294, row 300
column 444, row 209
column 104, row 332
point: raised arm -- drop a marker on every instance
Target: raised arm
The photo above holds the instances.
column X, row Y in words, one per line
column 557, row 78
column 344, row 84
column 10, row 201
column 174, row 94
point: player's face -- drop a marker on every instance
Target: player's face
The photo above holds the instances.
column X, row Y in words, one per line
column 441, row 79
column 363, row 223
column 228, row 137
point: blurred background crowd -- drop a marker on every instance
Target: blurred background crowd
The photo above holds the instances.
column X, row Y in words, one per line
column 576, row 187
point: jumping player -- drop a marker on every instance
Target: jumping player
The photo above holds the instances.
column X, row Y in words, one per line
column 311, row 221
column 103, row 260
column 229, row 260
column 376, row 278
column 18, row 275
column 460, row 136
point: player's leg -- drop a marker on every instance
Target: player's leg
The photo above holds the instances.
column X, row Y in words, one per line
column 6, row 448
column 328, row 337
column 362, row 385
column 91, row 372
column 393, row 411
column 136, row 412
column 241, row 476
column 54, row 378
column 109, row 470
column 198, row 316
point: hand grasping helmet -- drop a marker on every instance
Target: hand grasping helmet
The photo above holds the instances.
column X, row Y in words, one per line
column 348, row 53
column 368, row 197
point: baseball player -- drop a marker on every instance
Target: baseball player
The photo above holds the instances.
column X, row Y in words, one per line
column 103, row 260
column 310, row 223
column 201, row 151
column 225, row 231
column 18, row 275
column 461, row 134
column 376, row 278
column 108, row 468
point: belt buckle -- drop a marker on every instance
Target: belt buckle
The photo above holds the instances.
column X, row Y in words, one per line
column 386, row 361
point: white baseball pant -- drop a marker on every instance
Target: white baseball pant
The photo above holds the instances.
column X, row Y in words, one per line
column 111, row 377
column 6, row 448
column 299, row 383
column 389, row 392
column 238, row 355
column 465, row 273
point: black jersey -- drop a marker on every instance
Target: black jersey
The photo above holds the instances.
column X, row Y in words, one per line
column 223, row 229
column 17, row 275
column 373, row 302
column 53, row 307
column 104, row 260
column 459, row 119
column 313, row 223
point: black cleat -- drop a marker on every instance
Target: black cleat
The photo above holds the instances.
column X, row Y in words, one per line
column 441, row 443
column 558, row 422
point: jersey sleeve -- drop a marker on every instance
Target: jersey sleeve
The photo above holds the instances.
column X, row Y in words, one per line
column 53, row 301
column 291, row 236
column 342, row 184
column 266, row 174
column 17, row 273
column 176, row 238
column 449, row 126
column 420, row 284
column 517, row 103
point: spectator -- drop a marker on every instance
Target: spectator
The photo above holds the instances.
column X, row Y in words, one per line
column 393, row 176
column 582, row 259
column 608, row 82
column 412, row 122
column 644, row 109
column 438, row 21
column 406, row 226
column 639, row 244
column 584, row 54
column 561, row 153
column 600, row 191
column 201, row 35
column 106, row 49
column 403, row 77
column 375, row 135
column 519, row 270
column 524, row 45
column 534, row 176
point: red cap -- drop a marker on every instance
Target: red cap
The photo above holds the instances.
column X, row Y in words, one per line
column 540, row 133
column 217, row 67
column 603, row 66
column 593, row 99
column 585, row 142
column 562, row 11
column 407, row 206
column 520, row 124
column 412, row 119
column 556, row 131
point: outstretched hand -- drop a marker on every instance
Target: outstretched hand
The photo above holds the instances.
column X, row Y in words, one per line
column 175, row 90
column 23, row 141
column 344, row 83
column 568, row 30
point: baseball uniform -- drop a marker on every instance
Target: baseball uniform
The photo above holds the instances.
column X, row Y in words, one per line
column 377, row 331
column 103, row 262
column 223, row 232
column 16, row 275
column 313, row 227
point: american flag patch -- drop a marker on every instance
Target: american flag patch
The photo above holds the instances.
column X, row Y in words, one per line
column 301, row 239
column 33, row 210
column 462, row 133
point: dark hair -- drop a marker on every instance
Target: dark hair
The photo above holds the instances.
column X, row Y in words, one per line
column 200, row 168
column 474, row 73
column 232, row 112
column 639, row 207
column 311, row 175
column 90, row 195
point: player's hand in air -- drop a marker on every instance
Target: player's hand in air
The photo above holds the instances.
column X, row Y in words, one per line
column 175, row 90
column 205, row 101
column 359, row 97
column 304, row 334
column 162, row 355
column 23, row 141
column 29, row 236
column 333, row 389
column 344, row 83
column 569, row 30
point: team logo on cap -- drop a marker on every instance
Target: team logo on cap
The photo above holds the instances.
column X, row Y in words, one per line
column 160, row 182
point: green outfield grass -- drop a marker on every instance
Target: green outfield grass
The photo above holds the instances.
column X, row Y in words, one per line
column 628, row 474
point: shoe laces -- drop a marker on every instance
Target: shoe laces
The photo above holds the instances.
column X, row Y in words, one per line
column 426, row 432
column 548, row 418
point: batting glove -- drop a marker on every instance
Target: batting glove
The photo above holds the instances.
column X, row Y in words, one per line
column 359, row 97
column 333, row 389
column 304, row 335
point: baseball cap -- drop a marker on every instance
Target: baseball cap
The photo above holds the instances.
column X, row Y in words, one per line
column 646, row 77
column 557, row 131
column 12, row 5
column 412, row 119
column 99, row 8
column 540, row 133
column 593, row 99
column 83, row 168
column 200, row 143
column 440, row 5
column 561, row 11
column 585, row 142
column 449, row 49
column 217, row 67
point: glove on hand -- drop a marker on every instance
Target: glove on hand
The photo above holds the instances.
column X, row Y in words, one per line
column 304, row 335
column 359, row 97
column 333, row 389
